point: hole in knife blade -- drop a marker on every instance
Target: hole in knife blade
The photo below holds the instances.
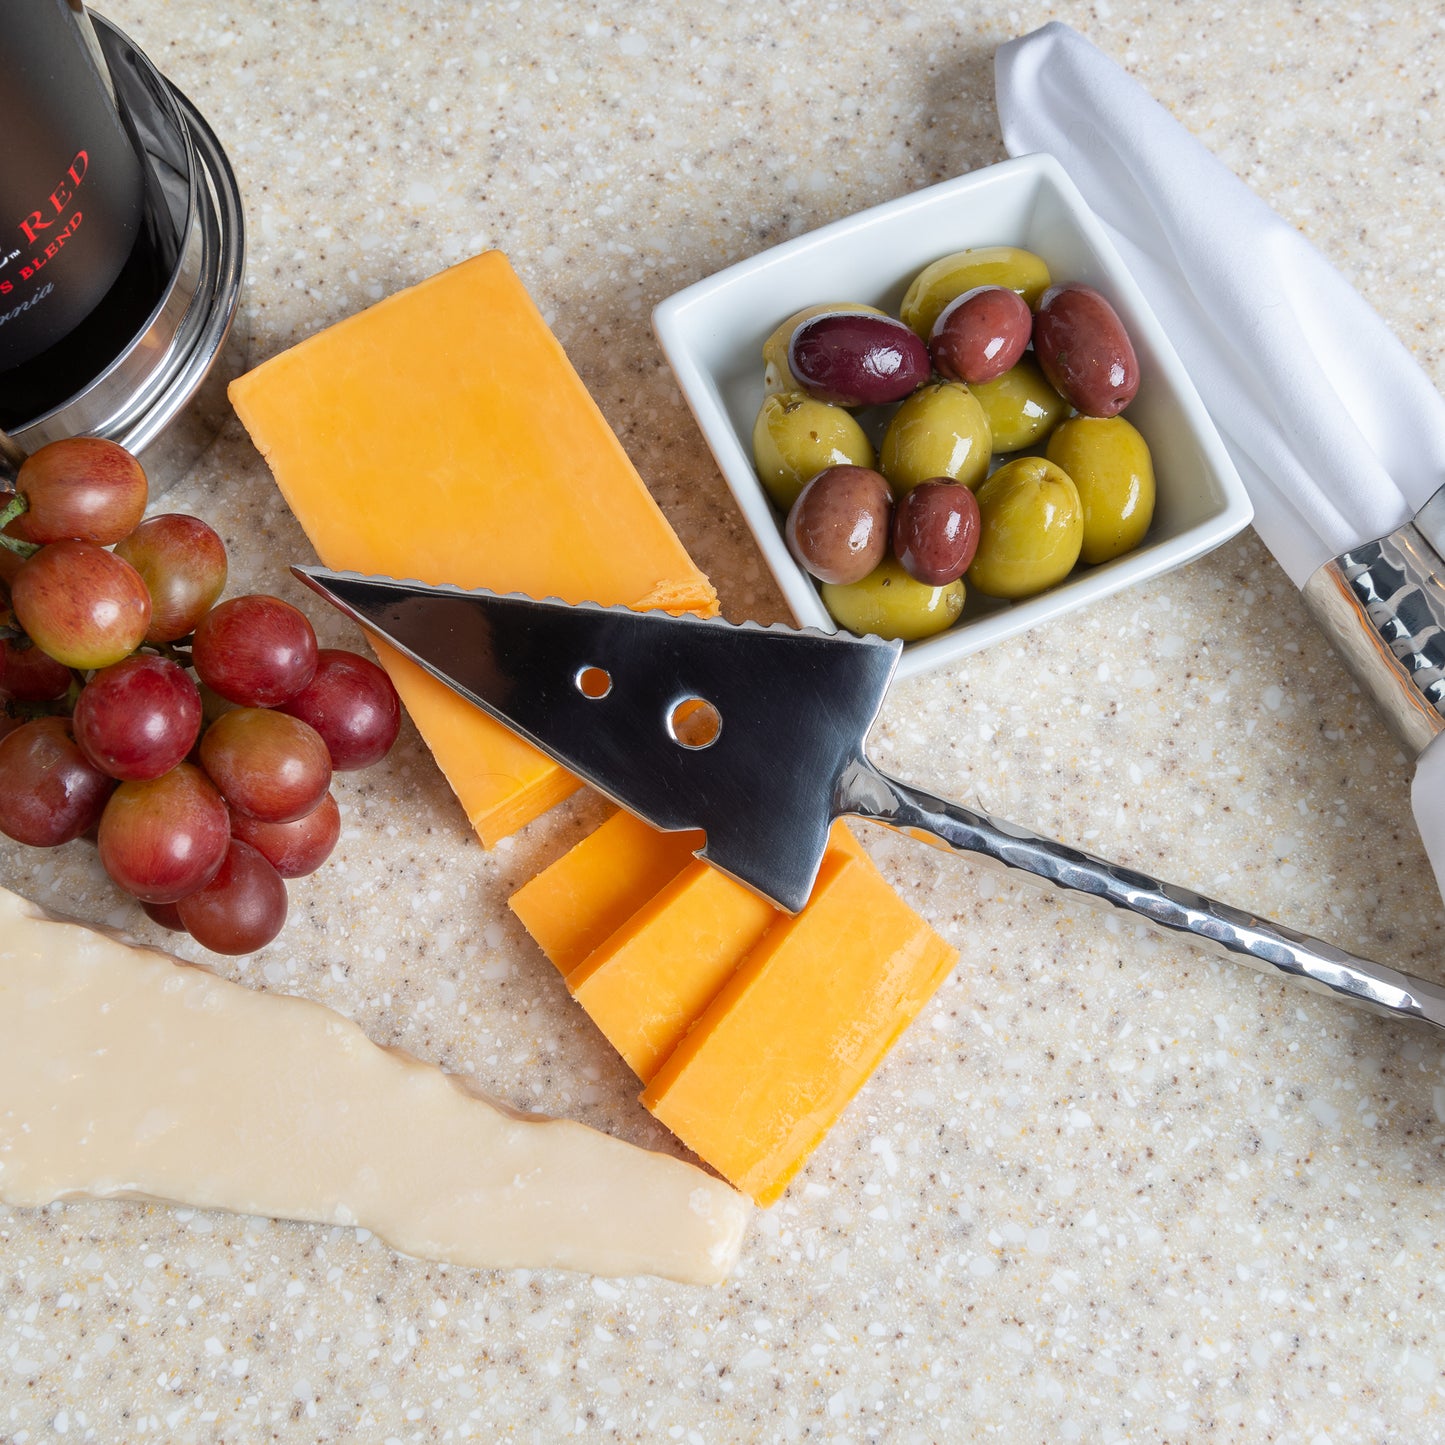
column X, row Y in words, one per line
column 594, row 682
column 694, row 722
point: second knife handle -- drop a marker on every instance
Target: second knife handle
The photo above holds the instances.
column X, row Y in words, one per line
column 1271, row 948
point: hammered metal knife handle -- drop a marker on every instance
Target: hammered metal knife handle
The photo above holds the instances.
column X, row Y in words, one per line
column 1268, row 947
column 1382, row 604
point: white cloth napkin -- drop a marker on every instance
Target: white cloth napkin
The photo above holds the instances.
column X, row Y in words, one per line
column 1428, row 796
column 1337, row 433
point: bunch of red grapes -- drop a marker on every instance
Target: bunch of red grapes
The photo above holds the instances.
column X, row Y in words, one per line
column 204, row 793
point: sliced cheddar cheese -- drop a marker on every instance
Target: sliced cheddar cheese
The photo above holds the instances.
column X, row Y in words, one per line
column 575, row 904
column 443, row 435
column 645, row 985
column 655, row 975
column 127, row 1074
column 760, row 1078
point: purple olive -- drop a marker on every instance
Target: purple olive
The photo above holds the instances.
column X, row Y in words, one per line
column 935, row 531
column 852, row 359
column 1084, row 350
column 980, row 335
column 838, row 527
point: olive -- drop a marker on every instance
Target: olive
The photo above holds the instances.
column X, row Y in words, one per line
column 892, row 604
column 776, row 376
column 1111, row 467
column 1022, row 408
column 838, row 527
column 978, row 336
column 936, row 285
column 1031, row 526
column 855, row 360
column 795, row 437
column 935, row 531
column 1085, row 351
column 939, row 431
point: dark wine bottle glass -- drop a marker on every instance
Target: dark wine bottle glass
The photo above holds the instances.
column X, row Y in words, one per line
column 86, row 249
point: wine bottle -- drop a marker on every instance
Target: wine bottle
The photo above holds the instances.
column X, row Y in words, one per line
column 84, row 250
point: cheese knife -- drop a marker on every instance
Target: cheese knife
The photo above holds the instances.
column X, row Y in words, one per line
column 756, row 735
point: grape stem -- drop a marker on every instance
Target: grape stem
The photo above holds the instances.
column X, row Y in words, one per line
column 18, row 505
column 33, row 711
column 176, row 651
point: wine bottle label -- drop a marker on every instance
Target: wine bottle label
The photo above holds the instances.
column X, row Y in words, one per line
column 72, row 192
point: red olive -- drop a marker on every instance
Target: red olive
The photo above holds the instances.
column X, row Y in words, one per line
column 853, row 359
column 981, row 334
column 838, row 527
column 935, row 531
column 1085, row 351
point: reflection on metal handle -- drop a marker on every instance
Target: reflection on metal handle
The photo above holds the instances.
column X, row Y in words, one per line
column 1382, row 604
column 1269, row 947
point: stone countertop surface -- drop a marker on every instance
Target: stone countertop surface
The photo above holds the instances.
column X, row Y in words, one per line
column 1106, row 1187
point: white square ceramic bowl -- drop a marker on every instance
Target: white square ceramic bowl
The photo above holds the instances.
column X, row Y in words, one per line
column 713, row 332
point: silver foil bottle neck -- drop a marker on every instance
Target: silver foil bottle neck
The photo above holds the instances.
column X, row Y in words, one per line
column 1382, row 604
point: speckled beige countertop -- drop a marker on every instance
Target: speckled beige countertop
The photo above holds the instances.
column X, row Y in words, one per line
column 1106, row 1188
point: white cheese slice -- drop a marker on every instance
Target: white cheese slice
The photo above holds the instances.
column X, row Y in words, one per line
column 128, row 1074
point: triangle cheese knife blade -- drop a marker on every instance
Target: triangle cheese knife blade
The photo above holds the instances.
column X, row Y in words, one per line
column 740, row 731
column 756, row 735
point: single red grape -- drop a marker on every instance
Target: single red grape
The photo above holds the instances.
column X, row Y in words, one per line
column 10, row 562
column 162, row 838
column 139, row 717
column 268, row 764
column 257, row 651
column 30, row 675
column 86, row 488
column 352, row 704
column 297, row 848
column 49, row 792
column 213, row 705
column 241, row 909
column 183, row 562
column 83, row 605
column 165, row 914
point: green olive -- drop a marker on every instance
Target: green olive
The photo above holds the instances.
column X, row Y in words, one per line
column 892, row 604
column 795, row 437
column 1030, row 530
column 1110, row 465
column 1022, row 408
column 776, row 376
column 936, row 285
column 939, row 431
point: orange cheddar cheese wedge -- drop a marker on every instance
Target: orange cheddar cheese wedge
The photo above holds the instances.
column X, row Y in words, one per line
column 443, row 435
column 806, row 1018
column 501, row 781
column 573, row 905
column 646, row 984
